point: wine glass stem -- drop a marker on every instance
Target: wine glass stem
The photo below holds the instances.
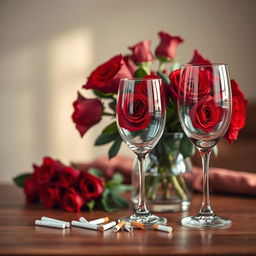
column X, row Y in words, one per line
column 142, row 208
column 206, row 206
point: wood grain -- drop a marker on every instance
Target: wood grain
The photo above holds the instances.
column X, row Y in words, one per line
column 19, row 235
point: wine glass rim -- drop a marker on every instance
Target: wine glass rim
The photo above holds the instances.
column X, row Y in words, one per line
column 204, row 65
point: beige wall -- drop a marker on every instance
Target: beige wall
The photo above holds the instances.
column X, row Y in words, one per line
column 48, row 48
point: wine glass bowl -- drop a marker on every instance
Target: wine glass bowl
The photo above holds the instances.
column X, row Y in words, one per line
column 140, row 121
column 205, row 107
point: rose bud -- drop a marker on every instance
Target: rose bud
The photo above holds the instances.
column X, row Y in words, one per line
column 90, row 186
column 106, row 77
column 31, row 190
column 48, row 171
column 71, row 200
column 166, row 50
column 238, row 117
column 68, row 177
column 141, row 52
column 130, row 64
column 199, row 59
column 87, row 112
column 49, row 196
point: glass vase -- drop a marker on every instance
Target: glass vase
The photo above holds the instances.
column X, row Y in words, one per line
column 168, row 177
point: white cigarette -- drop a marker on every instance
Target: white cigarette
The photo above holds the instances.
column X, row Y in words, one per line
column 128, row 227
column 162, row 228
column 118, row 226
column 99, row 221
column 82, row 219
column 84, row 225
column 50, row 224
column 107, row 226
column 67, row 224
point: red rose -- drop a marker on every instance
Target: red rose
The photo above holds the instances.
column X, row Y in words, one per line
column 188, row 86
column 238, row 117
column 90, row 186
column 199, row 59
column 49, row 196
column 105, row 78
column 206, row 115
column 87, row 112
column 72, row 201
column 130, row 64
column 68, row 177
column 174, row 84
column 47, row 172
column 134, row 113
column 167, row 46
column 141, row 52
column 31, row 190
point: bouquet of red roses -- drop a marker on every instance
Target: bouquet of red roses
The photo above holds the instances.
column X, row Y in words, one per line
column 104, row 81
column 71, row 189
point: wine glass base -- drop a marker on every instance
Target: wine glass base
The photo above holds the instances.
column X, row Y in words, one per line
column 205, row 222
column 148, row 220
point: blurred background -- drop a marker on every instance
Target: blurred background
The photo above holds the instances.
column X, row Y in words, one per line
column 48, row 48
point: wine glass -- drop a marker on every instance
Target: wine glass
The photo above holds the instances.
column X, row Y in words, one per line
column 204, row 107
column 141, row 120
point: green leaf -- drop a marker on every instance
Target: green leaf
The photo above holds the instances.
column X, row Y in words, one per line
column 111, row 128
column 19, row 180
column 103, row 95
column 96, row 172
column 116, row 180
column 120, row 188
column 90, row 205
column 140, row 72
column 112, row 105
column 105, row 138
column 187, row 149
column 107, row 202
column 115, row 148
column 164, row 77
column 119, row 201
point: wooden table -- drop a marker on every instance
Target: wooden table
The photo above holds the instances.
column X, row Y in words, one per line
column 19, row 235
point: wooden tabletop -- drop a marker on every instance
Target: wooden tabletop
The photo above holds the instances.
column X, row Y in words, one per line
column 19, row 235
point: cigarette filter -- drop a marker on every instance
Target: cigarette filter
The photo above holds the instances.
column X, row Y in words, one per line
column 82, row 219
column 67, row 224
column 128, row 227
column 84, row 225
column 107, row 226
column 162, row 228
column 50, row 224
column 99, row 221
column 138, row 225
column 118, row 226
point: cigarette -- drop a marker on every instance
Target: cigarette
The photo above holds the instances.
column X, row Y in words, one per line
column 84, row 225
column 162, row 228
column 67, row 224
column 50, row 224
column 99, row 221
column 82, row 219
column 118, row 226
column 107, row 226
column 138, row 225
column 128, row 227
